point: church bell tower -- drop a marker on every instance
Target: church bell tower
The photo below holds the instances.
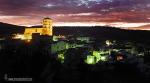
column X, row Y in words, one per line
column 47, row 27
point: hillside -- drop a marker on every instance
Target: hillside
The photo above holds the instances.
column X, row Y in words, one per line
column 99, row 32
column 7, row 29
column 104, row 33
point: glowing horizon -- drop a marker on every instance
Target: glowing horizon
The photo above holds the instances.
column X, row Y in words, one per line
column 122, row 25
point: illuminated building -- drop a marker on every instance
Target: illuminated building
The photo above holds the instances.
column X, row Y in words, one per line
column 59, row 37
column 90, row 60
column 46, row 29
column 119, row 58
column 96, row 57
column 61, row 57
column 85, row 39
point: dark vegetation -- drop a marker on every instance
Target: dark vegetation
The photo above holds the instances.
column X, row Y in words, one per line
column 8, row 29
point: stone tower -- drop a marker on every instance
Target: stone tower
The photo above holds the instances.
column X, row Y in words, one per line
column 47, row 27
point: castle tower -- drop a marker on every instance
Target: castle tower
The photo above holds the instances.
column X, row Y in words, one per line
column 47, row 27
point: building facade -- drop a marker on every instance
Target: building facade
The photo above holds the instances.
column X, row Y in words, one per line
column 46, row 29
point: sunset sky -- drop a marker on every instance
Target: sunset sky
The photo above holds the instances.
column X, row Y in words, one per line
column 119, row 13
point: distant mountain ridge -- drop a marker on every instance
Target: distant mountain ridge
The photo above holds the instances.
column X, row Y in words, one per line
column 99, row 32
column 6, row 29
column 104, row 32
